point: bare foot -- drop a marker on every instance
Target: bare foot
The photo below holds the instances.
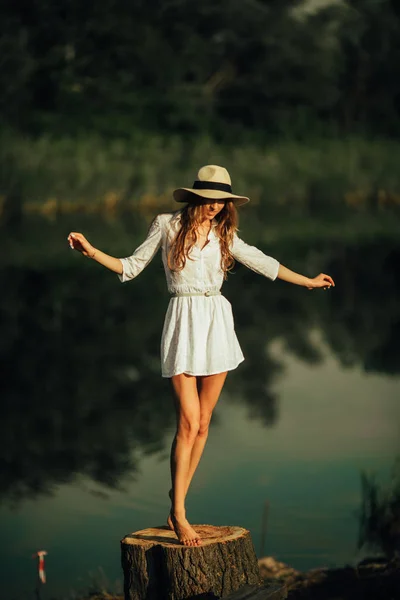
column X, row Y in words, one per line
column 169, row 519
column 185, row 532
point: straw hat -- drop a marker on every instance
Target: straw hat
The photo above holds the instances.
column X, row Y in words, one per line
column 212, row 182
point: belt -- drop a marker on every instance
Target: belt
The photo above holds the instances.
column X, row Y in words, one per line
column 207, row 293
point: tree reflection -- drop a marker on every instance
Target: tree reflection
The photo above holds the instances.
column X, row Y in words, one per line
column 359, row 319
column 81, row 387
column 380, row 514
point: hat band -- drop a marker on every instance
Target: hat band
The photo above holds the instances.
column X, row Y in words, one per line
column 211, row 185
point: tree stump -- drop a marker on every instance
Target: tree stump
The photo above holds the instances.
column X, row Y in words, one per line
column 157, row 567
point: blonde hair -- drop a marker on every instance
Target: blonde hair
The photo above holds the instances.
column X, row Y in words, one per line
column 191, row 217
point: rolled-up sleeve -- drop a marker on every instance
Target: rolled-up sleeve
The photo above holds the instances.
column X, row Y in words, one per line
column 254, row 259
column 134, row 264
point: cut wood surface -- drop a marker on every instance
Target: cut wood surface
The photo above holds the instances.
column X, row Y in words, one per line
column 157, row 567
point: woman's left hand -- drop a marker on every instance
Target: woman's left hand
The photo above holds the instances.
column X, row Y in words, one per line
column 321, row 281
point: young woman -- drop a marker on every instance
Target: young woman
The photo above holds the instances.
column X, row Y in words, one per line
column 199, row 345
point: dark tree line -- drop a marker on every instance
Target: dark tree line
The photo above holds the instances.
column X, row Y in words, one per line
column 183, row 65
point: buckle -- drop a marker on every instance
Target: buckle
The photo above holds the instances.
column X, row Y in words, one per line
column 207, row 293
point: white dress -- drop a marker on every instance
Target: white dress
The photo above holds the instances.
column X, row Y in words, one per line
column 198, row 337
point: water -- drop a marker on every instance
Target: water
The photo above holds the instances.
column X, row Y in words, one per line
column 87, row 421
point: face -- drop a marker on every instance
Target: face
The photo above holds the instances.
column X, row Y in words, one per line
column 212, row 207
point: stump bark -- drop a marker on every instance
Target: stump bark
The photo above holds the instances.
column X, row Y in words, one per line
column 157, row 567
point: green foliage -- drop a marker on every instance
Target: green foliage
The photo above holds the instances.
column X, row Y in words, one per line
column 184, row 66
column 136, row 176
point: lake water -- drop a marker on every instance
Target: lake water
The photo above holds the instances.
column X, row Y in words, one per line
column 87, row 421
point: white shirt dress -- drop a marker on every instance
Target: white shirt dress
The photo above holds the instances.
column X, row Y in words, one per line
column 198, row 336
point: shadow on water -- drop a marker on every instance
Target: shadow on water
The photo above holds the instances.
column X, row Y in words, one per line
column 81, row 390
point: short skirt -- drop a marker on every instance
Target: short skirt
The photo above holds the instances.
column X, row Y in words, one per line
column 199, row 337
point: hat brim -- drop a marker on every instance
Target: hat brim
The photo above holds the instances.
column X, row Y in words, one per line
column 190, row 195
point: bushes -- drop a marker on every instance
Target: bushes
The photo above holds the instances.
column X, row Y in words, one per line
column 95, row 175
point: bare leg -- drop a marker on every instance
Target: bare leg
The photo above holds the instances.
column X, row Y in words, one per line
column 209, row 389
column 188, row 423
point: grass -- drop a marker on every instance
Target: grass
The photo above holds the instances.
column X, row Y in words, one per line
column 51, row 176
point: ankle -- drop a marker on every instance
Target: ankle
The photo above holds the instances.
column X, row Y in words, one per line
column 179, row 515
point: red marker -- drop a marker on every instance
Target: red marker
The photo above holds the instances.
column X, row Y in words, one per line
column 41, row 572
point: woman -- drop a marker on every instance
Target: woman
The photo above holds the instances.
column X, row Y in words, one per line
column 199, row 345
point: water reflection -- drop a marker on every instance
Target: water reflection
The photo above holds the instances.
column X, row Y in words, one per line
column 83, row 394
column 82, row 387
column 380, row 514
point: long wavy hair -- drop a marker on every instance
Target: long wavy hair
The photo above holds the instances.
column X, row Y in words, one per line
column 191, row 217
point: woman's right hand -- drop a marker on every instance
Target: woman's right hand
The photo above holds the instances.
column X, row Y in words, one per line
column 77, row 241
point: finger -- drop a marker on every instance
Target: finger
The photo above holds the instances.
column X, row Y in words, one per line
column 76, row 245
column 72, row 238
column 77, row 241
column 329, row 279
column 77, row 236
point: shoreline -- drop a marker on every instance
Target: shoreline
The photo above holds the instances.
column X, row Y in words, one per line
column 375, row 578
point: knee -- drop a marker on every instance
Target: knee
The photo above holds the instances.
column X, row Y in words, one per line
column 188, row 429
column 204, row 424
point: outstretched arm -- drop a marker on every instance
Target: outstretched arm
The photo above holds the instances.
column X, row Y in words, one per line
column 77, row 241
column 265, row 265
column 126, row 268
column 321, row 281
